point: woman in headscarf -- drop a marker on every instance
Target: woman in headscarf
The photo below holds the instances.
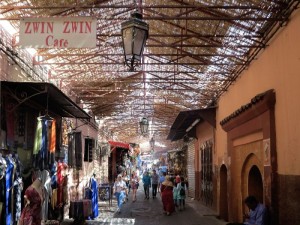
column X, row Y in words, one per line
column 167, row 196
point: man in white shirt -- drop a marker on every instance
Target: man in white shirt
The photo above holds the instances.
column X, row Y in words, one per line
column 119, row 191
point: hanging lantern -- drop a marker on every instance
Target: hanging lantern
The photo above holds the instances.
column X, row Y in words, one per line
column 144, row 124
column 134, row 36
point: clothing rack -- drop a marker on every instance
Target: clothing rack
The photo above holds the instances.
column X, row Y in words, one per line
column 46, row 117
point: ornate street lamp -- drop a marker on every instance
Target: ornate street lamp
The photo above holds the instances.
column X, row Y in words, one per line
column 134, row 36
column 144, row 124
column 152, row 143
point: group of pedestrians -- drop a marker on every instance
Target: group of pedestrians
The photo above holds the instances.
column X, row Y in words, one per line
column 150, row 181
column 173, row 194
column 122, row 187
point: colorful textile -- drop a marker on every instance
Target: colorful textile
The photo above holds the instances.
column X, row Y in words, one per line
column 61, row 199
column 94, row 197
column 18, row 188
column 9, row 189
column 54, row 198
column 2, row 189
column 31, row 214
column 52, row 140
column 38, row 138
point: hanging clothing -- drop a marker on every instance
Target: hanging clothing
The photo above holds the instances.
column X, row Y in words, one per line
column 46, row 182
column 52, row 139
column 61, row 198
column 44, row 163
column 2, row 189
column 31, row 214
column 9, row 176
column 54, row 198
column 38, row 138
column 52, row 143
column 94, row 197
column 18, row 188
column 44, row 143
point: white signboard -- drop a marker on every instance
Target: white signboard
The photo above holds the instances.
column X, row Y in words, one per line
column 62, row 32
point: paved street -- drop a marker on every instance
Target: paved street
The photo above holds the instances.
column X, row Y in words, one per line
column 149, row 212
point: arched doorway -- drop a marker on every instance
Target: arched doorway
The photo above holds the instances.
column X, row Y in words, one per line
column 255, row 184
column 223, row 193
column 251, row 183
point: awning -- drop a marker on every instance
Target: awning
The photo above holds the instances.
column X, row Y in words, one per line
column 186, row 118
column 45, row 95
column 119, row 144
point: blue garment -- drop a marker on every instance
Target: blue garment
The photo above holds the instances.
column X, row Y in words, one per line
column 2, row 188
column 162, row 179
column 18, row 187
column 139, row 161
column 120, row 198
column 44, row 147
column 9, row 184
column 257, row 216
column 147, row 180
column 94, row 198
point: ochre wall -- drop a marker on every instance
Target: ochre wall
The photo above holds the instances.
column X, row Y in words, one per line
column 277, row 67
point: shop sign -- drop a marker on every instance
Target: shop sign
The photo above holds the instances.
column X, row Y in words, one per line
column 61, row 32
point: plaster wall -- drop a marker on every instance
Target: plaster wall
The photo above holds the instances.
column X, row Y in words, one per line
column 88, row 168
column 277, row 67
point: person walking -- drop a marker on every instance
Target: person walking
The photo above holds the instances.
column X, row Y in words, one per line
column 175, row 195
column 119, row 189
column 167, row 196
column 161, row 179
column 181, row 189
column 147, row 184
column 134, row 183
column 126, row 180
column 154, row 182
column 177, row 179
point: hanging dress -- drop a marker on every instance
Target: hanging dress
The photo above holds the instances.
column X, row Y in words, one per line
column 31, row 214
column 94, row 197
column 9, row 176
column 2, row 189
column 18, row 188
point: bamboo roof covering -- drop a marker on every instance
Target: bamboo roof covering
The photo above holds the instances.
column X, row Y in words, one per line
column 195, row 51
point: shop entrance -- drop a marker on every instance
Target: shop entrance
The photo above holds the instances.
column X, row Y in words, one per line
column 223, row 193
